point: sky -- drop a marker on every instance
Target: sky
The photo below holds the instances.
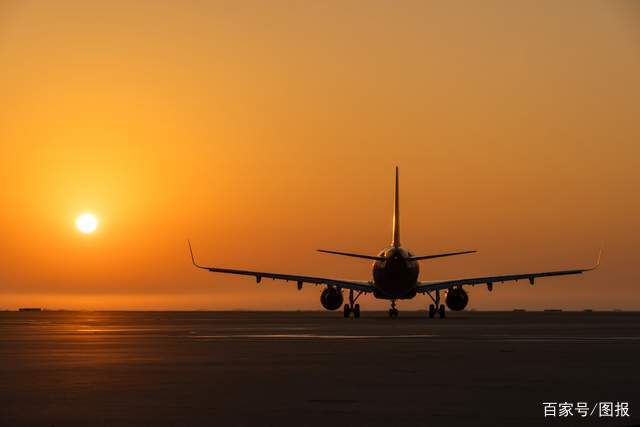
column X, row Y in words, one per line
column 263, row 131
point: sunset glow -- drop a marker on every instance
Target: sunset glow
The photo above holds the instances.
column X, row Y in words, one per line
column 265, row 130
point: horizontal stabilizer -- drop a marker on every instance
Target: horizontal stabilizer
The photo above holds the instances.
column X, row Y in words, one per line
column 375, row 258
column 417, row 258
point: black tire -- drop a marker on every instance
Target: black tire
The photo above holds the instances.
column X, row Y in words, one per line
column 356, row 311
column 432, row 311
column 441, row 311
column 347, row 311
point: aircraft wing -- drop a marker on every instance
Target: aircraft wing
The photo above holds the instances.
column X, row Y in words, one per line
column 490, row 280
column 259, row 275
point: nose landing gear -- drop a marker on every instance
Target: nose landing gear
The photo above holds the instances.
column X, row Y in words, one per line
column 393, row 311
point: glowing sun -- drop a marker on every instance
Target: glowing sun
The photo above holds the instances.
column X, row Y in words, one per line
column 87, row 223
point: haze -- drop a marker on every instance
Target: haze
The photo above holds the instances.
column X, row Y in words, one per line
column 265, row 130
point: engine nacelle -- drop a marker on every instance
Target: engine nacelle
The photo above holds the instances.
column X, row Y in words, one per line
column 457, row 299
column 331, row 298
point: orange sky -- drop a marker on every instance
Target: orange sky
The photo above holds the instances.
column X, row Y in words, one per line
column 265, row 130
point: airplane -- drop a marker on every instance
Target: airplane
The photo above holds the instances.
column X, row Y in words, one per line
column 395, row 277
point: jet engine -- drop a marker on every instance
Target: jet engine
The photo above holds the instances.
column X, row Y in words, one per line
column 331, row 298
column 457, row 299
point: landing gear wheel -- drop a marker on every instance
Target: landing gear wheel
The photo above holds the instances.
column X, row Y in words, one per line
column 347, row 311
column 356, row 311
column 432, row 311
column 393, row 311
column 441, row 311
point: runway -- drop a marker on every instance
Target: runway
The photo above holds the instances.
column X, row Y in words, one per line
column 313, row 368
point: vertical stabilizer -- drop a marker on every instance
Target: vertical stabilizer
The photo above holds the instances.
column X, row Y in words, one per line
column 396, row 214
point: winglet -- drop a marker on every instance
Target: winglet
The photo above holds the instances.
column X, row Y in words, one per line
column 598, row 261
column 193, row 259
column 597, row 264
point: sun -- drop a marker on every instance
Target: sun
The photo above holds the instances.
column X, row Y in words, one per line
column 87, row 223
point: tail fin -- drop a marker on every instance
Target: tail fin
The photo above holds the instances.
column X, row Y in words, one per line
column 396, row 214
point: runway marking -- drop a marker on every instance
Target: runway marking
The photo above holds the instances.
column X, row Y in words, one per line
column 121, row 330
column 568, row 339
column 276, row 328
column 311, row 336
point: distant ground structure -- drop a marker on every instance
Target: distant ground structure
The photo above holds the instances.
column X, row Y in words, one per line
column 30, row 309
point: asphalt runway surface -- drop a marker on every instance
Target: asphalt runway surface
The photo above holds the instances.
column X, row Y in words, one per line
column 313, row 368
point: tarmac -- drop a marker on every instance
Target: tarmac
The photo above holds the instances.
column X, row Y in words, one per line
column 61, row 368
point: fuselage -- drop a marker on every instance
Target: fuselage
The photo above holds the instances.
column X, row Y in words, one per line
column 397, row 276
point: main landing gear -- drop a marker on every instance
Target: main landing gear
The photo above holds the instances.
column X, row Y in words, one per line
column 352, row 307
column 393, row 311
column 432, row 311
column 436, row 303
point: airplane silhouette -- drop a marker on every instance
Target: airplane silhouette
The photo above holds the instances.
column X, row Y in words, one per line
column 395, row 276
